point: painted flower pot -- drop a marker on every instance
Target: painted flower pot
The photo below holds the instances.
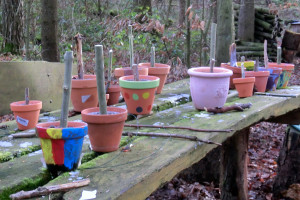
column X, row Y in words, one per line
column 26, row 116
column 261, row 79
column 209, row 90
column 84, row 93
column 287, row 70
column 61, row 146
column 236, row 73
column 139, row 95
column 127, row 71
column 114, row 94
column 273, row 78
column 105, row 131
column 159, row 70
column 244, row 86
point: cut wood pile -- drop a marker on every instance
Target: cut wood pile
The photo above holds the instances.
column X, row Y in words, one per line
column 268, row 27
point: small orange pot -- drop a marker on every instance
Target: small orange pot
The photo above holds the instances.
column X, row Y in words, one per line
column 127, row 71
column 261, row 79
column 139, row 95
column 84, row 93
column 236, row 73
column 244, row 86
column 287, row 70
column 159, row 70
column 105, row 131
column 26, row 116
column 114, row 94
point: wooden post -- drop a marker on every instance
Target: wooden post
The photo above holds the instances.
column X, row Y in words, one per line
column 136, row 72
column 110, row 55
column 152, row 56
column 66, row 89
column 233, row 180
column 266, row 60
column 78, row 42
column 213, row 45
column 131, row 47
column 100, row 79
column 242, row 66
column 278, row 55
column 232, row 53
column 256, row 66
column 26, row 96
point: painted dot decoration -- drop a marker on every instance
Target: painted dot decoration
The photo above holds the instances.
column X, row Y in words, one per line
column 135, row 97
column 139, row 109
column 126, row 95
column 146, row 95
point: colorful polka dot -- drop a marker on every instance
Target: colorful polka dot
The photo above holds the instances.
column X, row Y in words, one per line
column 146, row 95
column 139, row 109
column 135, row 97
column 126, row 95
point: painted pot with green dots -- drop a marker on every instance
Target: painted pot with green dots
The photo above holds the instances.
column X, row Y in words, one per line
column 139, row 95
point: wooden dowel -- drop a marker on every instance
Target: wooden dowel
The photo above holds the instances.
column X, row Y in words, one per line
column 66, row 89
column 26, row 96
column 212, row 65
column 256, row 66
column 232, row 53
column 242, row 66
column 136, row 72
column 100, row 79
column 110, row 55
column 130, row 30
column 278, row 55
column 78, row 42
column 213, row 35
column 152, row 56
column 266, row 60
column 131, row 51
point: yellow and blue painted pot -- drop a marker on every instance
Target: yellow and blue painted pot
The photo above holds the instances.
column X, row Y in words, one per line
column 61, row 146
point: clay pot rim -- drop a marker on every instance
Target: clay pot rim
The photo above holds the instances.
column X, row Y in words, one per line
column 71, row 125
column 21, row 106
column 257, row 74
column 219, row 72
column 159, row 68
column 104, row 119
column 152, row 82
column 244, row 80
column 120, row 71
column 91, row 82
column 273, row 70
column 114, row 88
column 283, row 66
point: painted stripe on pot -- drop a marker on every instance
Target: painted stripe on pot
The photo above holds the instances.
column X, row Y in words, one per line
column 58, row 151
column 54, row 133
column 47, row 151
column 72, row 151
column 144, row 83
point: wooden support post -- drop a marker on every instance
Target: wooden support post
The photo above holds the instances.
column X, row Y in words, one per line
column 152, row 56
column 26, row 96
column 266, row 60
column 233, row 180
column 66, row 89
column 213, row 46
column 242, row 66
column 78, row 42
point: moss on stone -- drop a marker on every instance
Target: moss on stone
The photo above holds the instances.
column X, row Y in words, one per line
column 7, row 156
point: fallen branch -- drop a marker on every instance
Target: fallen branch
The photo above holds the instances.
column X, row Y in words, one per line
column 187, row 137
column 40, row 191
column 176, row 127
column 23, row 135
column 237, row 107
column 275, row 95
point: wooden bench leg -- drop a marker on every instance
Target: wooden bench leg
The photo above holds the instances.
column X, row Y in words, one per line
column 234, row 158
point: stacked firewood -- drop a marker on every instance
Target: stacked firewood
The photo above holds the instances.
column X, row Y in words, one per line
column 268, row 27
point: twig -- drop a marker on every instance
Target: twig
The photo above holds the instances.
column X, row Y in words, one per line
column 232, row 53
column 187, row 137
column 242, row 66
column 278, row 55
column 176, row 127
column 78, row 42
column 237, row 107
column 23, row 135
column 152, row 56
column 40, row 191
column 26, row 96
column 275, row 95
column 266, row 60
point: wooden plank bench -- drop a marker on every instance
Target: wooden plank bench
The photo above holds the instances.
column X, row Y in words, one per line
column 152, row 161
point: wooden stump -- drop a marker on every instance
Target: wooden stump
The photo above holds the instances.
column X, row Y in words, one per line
column 288, row 162
column 233, row 180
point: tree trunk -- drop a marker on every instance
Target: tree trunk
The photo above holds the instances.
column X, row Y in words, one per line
column 188, row 39
column 181, row 12
column 28, row 19
column 12, row 26
column 225, row 30
column 246, row 21
column 288, row 162
column 50, row 50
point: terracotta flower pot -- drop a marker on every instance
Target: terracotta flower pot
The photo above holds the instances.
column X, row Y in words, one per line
column 61, row 146
column 114, row 94
column 26, row 116
column 139, row 95
column 244, row 86
column 84, row 93
column 236, row 73
column 107, row 97
column 209, row 90
column 273, row 78
column 105, row 131
column 287, row 70
column 261, row 79
column 126, row 71
column 159, row 70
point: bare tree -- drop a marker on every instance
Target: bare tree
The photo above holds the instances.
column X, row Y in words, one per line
column 50, row 31
column 182, row 9
column 246, row 21
column 12, row 25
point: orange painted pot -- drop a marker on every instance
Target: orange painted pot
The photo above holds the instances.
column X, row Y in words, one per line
column 105, row 131
column 61, row 146
column 127, row 71
column 287, row 70
column 84, row 93
column 159, row 70
column 261, row 79
column 139, row 95
column 26, row 116
column 236, row 73
column 244, row 86
column 106, row 98
column 114, row 94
